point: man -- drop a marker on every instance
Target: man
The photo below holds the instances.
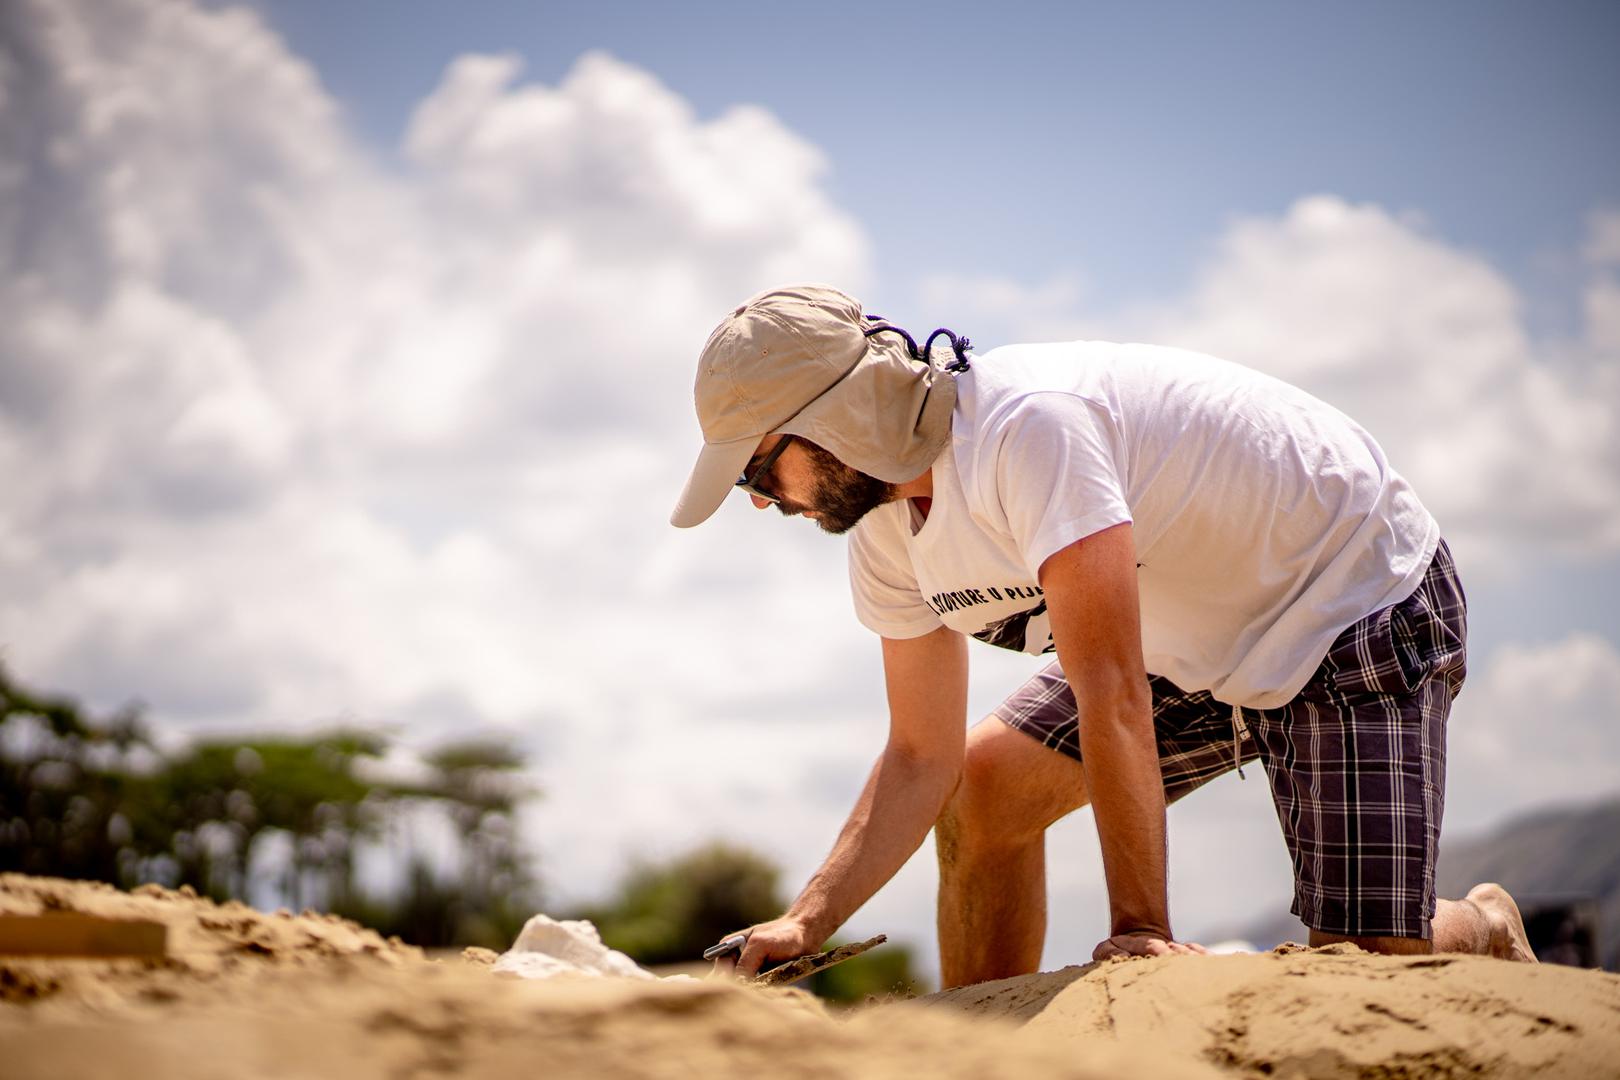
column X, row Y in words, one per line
column 1226, row 568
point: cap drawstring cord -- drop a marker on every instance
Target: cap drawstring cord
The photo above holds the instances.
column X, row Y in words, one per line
column 911, row 344
column 1240, row 731
column 959, row 345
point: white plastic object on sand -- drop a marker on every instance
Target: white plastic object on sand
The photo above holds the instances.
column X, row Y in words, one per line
column 550, row 947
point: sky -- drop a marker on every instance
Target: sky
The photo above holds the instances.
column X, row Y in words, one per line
column 346, row 357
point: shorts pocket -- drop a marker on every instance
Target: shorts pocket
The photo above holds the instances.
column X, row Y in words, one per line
column 1374, row 657
column 1411, row 666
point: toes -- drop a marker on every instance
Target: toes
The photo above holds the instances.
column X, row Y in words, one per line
column 1508, row 938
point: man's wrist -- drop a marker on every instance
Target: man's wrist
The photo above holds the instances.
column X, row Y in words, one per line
column 1153, row 926
column 814, row 922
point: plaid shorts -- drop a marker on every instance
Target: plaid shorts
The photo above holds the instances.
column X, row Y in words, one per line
column 1356, row 761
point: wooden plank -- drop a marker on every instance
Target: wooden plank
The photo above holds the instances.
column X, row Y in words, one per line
column 74, row 934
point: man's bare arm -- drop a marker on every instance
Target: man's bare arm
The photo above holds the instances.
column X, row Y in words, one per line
column 920, row 766
column 1091, row 594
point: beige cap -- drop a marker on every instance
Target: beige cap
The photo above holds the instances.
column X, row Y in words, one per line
column 799, row 360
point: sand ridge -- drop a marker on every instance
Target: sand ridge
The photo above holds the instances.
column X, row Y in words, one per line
column 455, row 1020
column 1331, row 1012
column 248, row 994
column 255, row 995
column 211, row 949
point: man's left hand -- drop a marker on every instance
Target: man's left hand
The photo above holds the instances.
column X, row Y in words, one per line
column 1145, row 945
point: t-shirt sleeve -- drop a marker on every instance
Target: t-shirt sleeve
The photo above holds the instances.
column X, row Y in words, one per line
column 1053, row 473
column 882, row 582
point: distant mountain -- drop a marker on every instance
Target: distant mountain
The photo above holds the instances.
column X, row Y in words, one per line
column 1546, row 859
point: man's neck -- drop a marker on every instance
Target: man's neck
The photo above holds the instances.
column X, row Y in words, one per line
column 920, row 488
column 921, row 494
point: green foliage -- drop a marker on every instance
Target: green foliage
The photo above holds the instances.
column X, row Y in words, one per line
column 87, row 799
column 884, row 972
column 479, row 783
column 670, row 912
column 69, row 793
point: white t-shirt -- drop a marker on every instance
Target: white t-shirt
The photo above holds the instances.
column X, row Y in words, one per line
column 1265, row 520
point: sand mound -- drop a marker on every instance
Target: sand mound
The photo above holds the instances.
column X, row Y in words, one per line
column 211, row 947
column 302, row 1010
column 440, row 1021
column 1335, row 1012
column 245, row 994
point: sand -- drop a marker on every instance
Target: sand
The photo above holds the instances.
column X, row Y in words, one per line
column 245, row 994
column 1323, row 1013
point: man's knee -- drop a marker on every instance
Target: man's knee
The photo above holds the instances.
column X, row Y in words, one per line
column 964, row 816
column 993, row 806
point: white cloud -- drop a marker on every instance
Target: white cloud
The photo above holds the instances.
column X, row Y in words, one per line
column 1514, row 444
column 1601, row 301
column 1535, row 726
column 289, row 437
column 1603, row 240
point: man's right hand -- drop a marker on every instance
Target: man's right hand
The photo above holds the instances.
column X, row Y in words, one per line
column 920, row 766
column 780, row 939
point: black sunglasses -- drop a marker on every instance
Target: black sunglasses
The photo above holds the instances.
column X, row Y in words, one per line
column 750, row 484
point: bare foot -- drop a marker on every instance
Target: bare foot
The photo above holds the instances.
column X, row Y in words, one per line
column 1508, row 939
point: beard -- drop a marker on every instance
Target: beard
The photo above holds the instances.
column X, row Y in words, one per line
column 841, row 495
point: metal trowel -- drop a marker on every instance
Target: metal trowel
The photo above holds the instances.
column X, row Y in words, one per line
column 791, row 971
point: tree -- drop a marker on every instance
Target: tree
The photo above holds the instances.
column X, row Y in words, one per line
column 219, row 799
column 70, row 797
column 82, row 798
column 479, row 783
column 670, row 912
